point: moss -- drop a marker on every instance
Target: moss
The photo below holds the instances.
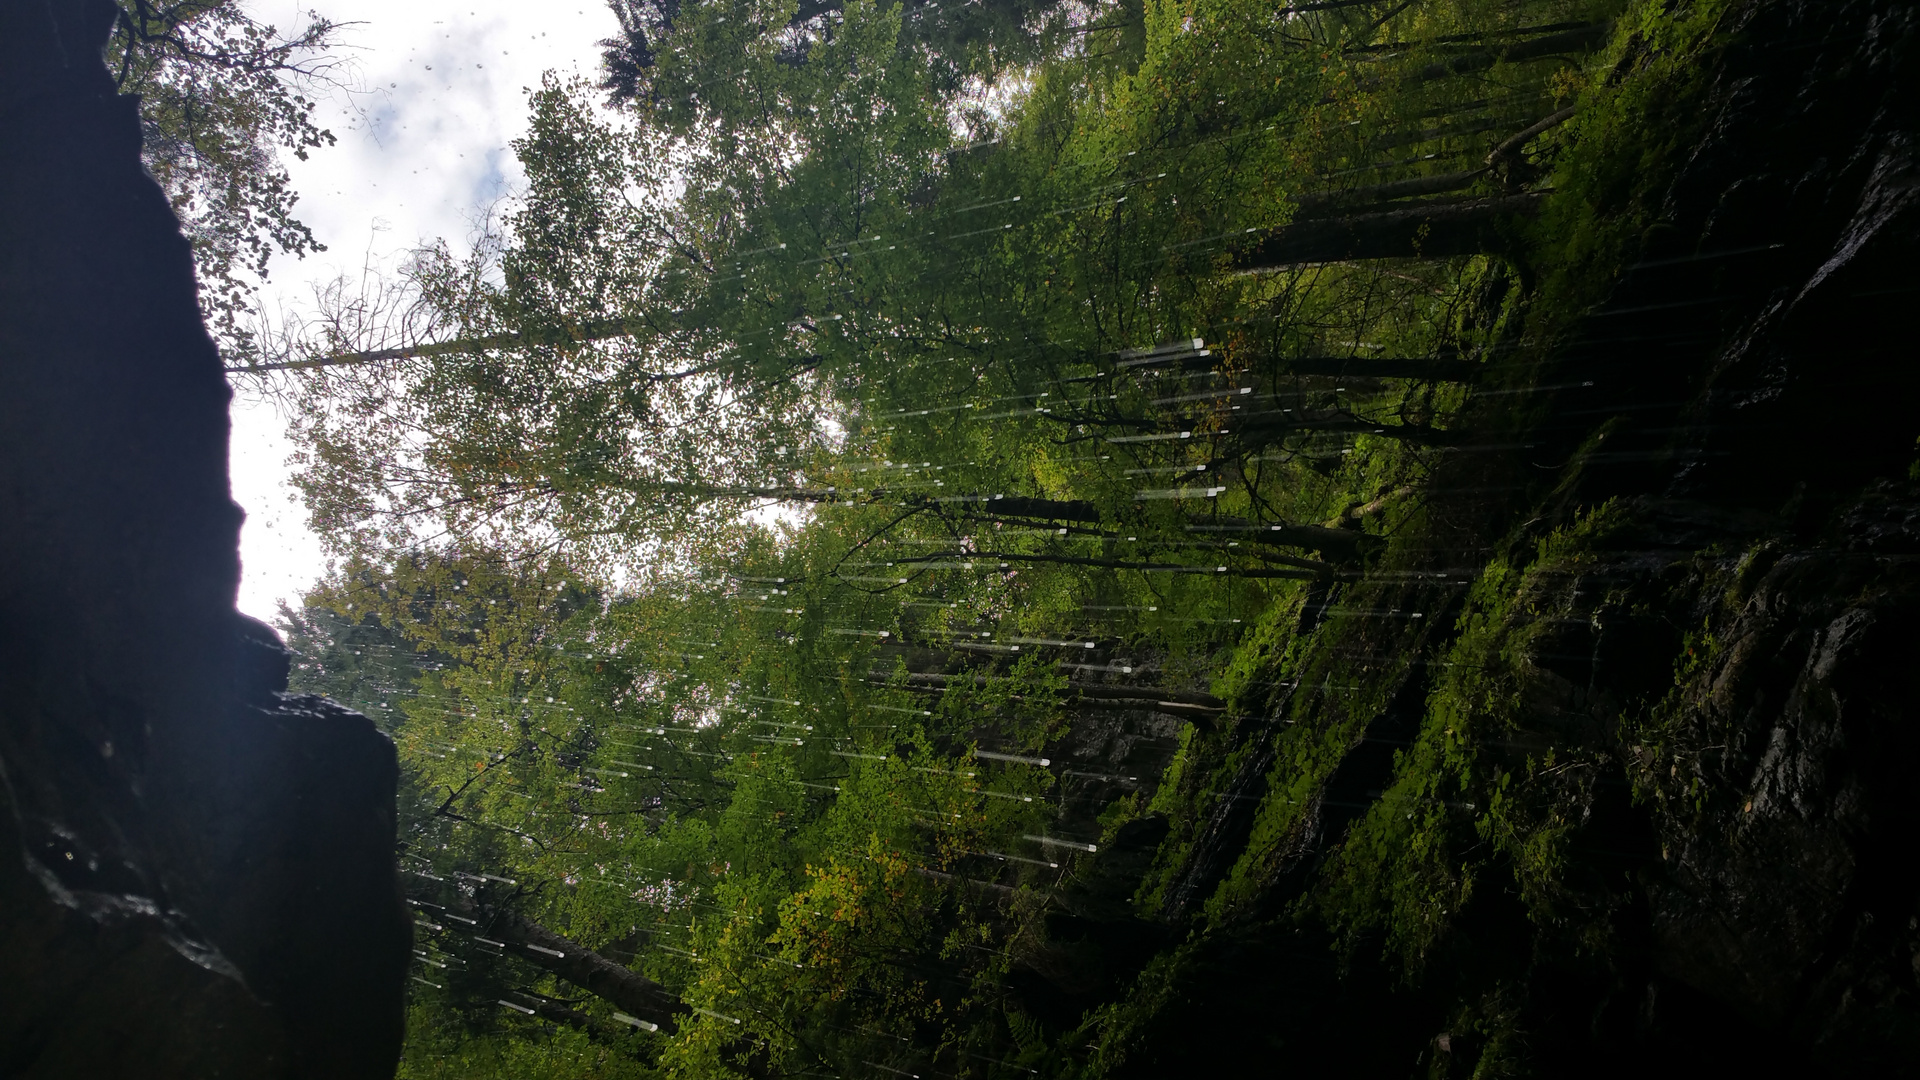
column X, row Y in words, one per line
column 1345, row 674
column 1203, row 769
column 1469, row 793
column 1674, row 745
column 1482, row 810
column 1637, row 116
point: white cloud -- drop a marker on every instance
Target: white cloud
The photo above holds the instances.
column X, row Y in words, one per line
column 422, row 152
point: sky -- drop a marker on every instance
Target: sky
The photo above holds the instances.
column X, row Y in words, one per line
column 422, row 152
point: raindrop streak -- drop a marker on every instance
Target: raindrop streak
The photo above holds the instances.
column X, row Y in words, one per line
column 1017, row 759
column 636, row 1022
column 1049, row 841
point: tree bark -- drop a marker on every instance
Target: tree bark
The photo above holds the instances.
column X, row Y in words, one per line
column 1417, row 231
column 1412, row 434
column 1134, row 695
column 591, row 330
column 1185, row 698
column 1532, row 131
column 933, row 562
column 1337, row 545
column 1394, row 139
column 1021, row 507
column 557, row 1013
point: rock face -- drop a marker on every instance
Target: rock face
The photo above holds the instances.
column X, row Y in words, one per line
column 1674, row 728
column 196, row 871
column 1759, row 695
column 1789, row 889
column 1794, row 892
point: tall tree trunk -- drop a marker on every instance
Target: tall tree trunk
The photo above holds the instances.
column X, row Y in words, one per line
column 1419, row 231
column 993, row 507
column 1256, row 430
column 972, row 507
column 1336, row 545
column 1107, row 691
column 557, row 1013
column 1408, row 137
column 1464, row 42
column 591, row 330
column 1154, row 695
column 1518, row 139
column 1301, row 569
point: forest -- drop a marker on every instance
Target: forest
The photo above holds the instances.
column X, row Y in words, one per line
column 1039, row 538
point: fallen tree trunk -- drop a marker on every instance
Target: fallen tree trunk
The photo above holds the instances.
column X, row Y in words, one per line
column 627, row 990
column 1317, row 203
column 1394, row 367
column 1416, row 232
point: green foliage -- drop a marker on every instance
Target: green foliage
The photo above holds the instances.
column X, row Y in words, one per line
column 789, row 543
column 1462, row 804
column 221, row 96
column 1633, row 120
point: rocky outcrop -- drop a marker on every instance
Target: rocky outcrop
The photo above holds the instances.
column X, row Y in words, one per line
column 1792, row 888
column 196, row 872
column 1748, row 709
column 1787, row 592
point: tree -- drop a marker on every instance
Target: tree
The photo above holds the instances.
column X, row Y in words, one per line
column 656, row 357
column 704, row 360
column 1416, row 231
column 516, row 808
column 973, row 41
column 221, row 96
column 546, row 416
column 1066, row 499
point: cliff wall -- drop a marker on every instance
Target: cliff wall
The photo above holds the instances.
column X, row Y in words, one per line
column 196, row 871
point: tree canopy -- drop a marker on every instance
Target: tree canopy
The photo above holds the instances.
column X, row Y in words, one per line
column 816, row 554
column 222, row 95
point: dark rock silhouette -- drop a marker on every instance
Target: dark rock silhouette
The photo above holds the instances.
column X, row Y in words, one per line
column 196, row 871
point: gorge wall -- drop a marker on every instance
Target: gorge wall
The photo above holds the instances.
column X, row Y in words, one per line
column 1642, row 802
column 196, row 871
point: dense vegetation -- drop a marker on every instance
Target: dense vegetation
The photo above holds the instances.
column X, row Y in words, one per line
column 933, row 544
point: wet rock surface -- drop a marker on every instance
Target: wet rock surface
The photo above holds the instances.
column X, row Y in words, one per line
column 196, row 872
column 1793, row 892
column 1773, row 544
column 1758, row 699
